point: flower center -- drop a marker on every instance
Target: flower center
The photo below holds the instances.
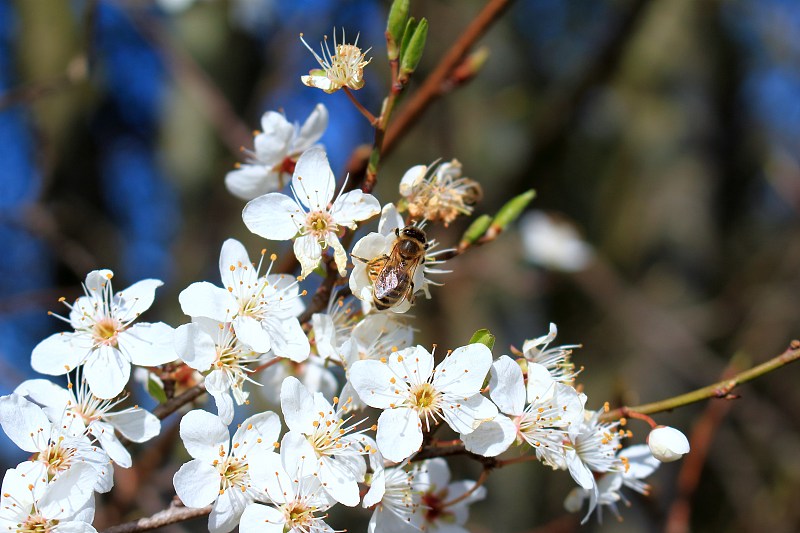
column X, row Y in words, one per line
column 234, row 474
column 106, row 331
column 36, row 523
column 347, row 65
column 57, row 457
column 427, row 401
column 298, row 515
column 318, row 224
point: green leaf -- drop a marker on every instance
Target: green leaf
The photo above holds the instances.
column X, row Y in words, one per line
column 395, row 24
column 413, row 52
column 411, row 25
column 483, row 336
column 156, row 390
column 512, row 210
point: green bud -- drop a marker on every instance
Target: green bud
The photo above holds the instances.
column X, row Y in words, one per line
column 411, row 25
column 512, row 210
column 483, row 336
column 395, row 24
column 413, row 51
column 156, row 390
column 475, row 230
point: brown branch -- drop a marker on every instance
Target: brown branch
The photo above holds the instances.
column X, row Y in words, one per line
column 436, row 84
column 173, row 404
column 721, row 389
column 175, row 513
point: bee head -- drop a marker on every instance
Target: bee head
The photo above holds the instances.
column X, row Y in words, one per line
column 413, row 232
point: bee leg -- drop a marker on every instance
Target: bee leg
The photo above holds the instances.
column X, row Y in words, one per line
column 410, row 295
column 359, row 258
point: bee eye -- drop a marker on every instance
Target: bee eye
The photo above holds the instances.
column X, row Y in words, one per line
column 397, row 231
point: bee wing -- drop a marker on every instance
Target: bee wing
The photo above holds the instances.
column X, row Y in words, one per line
column 390, row 278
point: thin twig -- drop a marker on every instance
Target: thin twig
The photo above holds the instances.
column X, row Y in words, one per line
column 435, row 85
column 162, row 518
column 720, row 389
column 173, row 404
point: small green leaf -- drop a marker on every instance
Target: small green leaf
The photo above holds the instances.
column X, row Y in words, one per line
column 413, row 52
column 512, row 210
column 483, row 336
column 475, row 230
column 411, row 25
column 395, row 24
column 156, row 390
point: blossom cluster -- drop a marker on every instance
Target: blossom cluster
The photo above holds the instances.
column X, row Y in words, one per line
column 283, row 469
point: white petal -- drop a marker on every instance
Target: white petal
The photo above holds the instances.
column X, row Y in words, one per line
column 467, row 414
column 372, row 381
column 354, row 206
column 251, row 332
column 298, row 456
column 464, row 371
column 313, row 181
column 207, row 300
column 290, row 341
column 320, row 82
column 224, row 403
column 267, row 473
column 69, row 492
column 258, row 518
column 257, row 434
column 324, row 335
column 107, row 372
column 390, row 220
column 23, row 421
column 112, row 446
column 641, row 462
column 308, row 253
column 251, row 181
column 312, row 129
column 204, row 435
column 149, row 344
column 272, row 144
column 506, row 386
column 541, row 384
column 273, row 216
column 297, row 405
column 411, row 179
column 235, row 268
column 227, row 511
column 399, row 433
column 137, row 298
column 195, row 346
column 197, row 483
column 74, row 526
column 667, row 444
column 338, row 480
column 492, row 437
column 137, row 425
column 413, row 364
column 59, row 353
column 579, row 471
column 339, row 255
column 45, row 393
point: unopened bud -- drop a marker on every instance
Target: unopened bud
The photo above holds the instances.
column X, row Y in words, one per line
column 667, row 444
column 411, row 54
column 483, row 336
column 475, row 230
column 512, row 210
column 395, row 25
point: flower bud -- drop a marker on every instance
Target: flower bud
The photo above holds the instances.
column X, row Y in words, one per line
column 667, row 444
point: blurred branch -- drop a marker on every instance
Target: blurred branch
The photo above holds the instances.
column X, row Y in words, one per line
column 186, row 72
column 702, row 436
column 175, row 513
column 173, row 404
column 442, row 80
column 721, row 389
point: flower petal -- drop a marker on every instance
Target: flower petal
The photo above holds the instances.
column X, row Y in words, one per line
column 273, row 216
column 137, row 425
column 149, row 344
column 251, row 181
column 312, row 129
column 399, row 433
column 257, row 434
column 506, row 386
column 107, row 372
column 353, row 206
column 313, row 181
column 272, row 144
column 375, row 383
column 252, row 333
column 136, row 299
column 23, row 421
column 207, row 300
column 228, row 510
column 464, row 370
column 297, row 405
column 195, row 346
column 204, row 435
column 492, row 437
column 196, row 483
column 60, row 352
column 308, row 253
column 258, row 518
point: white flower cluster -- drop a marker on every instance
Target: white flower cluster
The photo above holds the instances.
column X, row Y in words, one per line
column 248, row 331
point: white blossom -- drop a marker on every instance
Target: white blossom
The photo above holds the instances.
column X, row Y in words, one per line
column 556, row 359
column 553, row 243
column 105, row 339
column 342, row 68
column 262, row 309
column 221, row 471
column 314, row 216
column 433, row 480
column 329, row 440
column 277, row 147
column 667, row 444
column 54, row 447
column 409, row 389
column 210, row 346
column 31, row 504
column 85, row 413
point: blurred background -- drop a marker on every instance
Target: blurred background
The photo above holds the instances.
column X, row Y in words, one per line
column 665, row 131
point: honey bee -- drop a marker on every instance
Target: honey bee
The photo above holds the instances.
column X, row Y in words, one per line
column 392, row 275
